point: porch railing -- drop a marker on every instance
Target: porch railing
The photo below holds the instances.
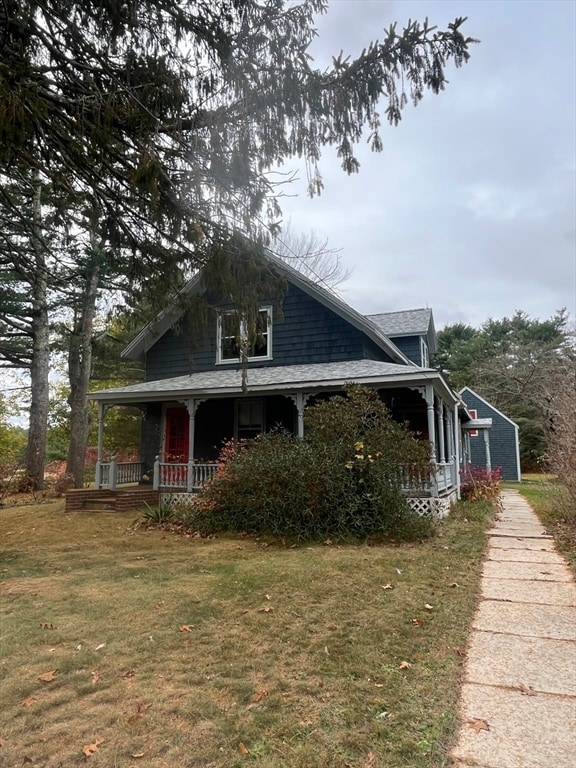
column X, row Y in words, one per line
column 441, row 478
column 112, row 473
column 190, row 476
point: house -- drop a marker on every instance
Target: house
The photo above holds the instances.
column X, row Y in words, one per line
column 197, row 393
column 504, row 447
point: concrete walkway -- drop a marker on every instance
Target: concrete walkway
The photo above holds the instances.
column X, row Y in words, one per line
column 518, row 701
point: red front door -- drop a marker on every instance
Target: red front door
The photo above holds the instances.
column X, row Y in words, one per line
column 176, row 444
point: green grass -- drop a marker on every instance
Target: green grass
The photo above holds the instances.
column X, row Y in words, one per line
column 210, row 644
column 555, row 508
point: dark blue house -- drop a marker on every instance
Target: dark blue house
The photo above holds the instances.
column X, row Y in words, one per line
column 196, row 392
column 504, row 447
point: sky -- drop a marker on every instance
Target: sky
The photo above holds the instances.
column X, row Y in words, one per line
column 470, row 208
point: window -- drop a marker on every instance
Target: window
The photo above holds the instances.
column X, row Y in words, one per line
column 474, row 415
column 249, row 418
column 233, row 334
column 424, row 359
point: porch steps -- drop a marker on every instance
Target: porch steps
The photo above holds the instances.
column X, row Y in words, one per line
column 104, row 500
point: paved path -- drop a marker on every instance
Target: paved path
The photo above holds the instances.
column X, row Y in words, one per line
column 518, row 701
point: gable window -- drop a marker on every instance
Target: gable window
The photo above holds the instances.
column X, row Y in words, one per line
column 474, row 414
column 232, row 336
column 424, row 357
column 249, row 419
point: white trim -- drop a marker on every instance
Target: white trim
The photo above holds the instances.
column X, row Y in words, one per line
column 236, row 360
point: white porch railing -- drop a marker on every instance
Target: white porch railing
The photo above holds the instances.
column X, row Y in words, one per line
column 185, row 477
column 440, row 479
column 112, row 473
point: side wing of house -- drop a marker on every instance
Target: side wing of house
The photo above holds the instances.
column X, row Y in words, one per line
column 504, row 443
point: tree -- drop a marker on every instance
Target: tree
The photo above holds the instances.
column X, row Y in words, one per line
column 509, row 362
column 163, row 118
column 311, row 256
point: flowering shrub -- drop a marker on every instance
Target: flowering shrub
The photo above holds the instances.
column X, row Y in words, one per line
column 480, row 484
column 344, row 478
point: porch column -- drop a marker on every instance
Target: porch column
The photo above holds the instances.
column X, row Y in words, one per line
column 487, row 446
column 456, row 438
column 300, row 399
column 191, row 407
column 102, row 409
column 440, row 414
column 431, row 436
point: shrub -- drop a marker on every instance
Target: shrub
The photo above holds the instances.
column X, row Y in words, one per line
column 343, row 479
column 480, row 484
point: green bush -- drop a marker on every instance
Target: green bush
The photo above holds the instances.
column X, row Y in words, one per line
column 343, row 480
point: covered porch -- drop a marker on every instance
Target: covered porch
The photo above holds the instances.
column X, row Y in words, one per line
column 186, row 420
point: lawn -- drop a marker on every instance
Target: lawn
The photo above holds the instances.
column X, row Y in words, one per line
column 122, row 646
column 555, row 508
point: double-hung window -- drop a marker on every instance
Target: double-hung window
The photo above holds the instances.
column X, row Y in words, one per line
column 234, row 337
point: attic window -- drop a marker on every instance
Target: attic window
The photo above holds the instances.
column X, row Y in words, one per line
column 424, row 357
column 233, row 334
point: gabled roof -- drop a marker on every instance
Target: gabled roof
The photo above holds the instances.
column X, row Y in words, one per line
column 407, row 322
column 489, row 405
column 150, row 334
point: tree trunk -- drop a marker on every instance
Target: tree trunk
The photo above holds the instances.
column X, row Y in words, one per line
column 40, row 363
column 80, row 366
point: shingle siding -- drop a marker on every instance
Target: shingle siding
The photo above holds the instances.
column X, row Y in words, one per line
column 503, row 437
column 410, row 345
column 308, row 332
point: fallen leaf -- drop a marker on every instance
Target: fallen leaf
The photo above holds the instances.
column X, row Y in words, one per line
column 527, row 690
column 328, row 542
column 137, row 754
column 460, row 651
column 186, row 628
column 259, row 696
column 387, row 586
column 398, row 571
column 546, row 573
column 266, row 609
column 428, row 606
column 2, row 742
column 454, row 584
column 242, row 749
column 47, row 677
column 99, row 647
column 378, row 685
column 142, row 708
column 79, row 647
column 417, row 622
column 382, row 716
column 27, row 760
column 95, row 676
column 370, row 761
column 128, row 673
column 47, row 625
column 479, row 725
column 267, row 597
column 405, row 665
column 90, row 749
column 29, row 701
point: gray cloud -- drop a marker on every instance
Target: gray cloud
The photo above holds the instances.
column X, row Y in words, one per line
column 470, row 207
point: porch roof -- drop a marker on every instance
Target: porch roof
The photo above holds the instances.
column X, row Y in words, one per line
column 276, row 379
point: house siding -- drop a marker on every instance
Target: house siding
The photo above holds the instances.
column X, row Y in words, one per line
column 304, row 331
column 503, row 439
column 410, row 345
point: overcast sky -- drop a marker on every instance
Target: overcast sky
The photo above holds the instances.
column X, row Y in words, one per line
column 470, row 207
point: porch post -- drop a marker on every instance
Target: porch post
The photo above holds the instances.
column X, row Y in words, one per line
column 191, row 407
column 102, row 408
column 487, row 446
column 300, row 399
column 456, row 437
column 431, row 435
column 440, row 414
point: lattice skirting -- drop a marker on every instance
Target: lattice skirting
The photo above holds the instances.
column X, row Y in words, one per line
column 432, row 506
column 176, row 500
